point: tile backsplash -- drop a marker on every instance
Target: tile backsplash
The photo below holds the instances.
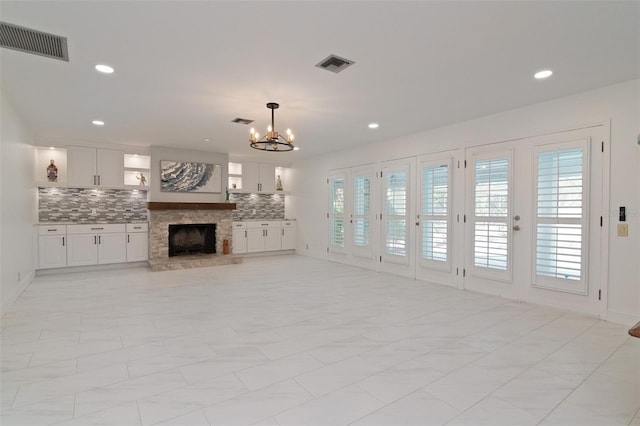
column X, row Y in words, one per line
column 75, row 205
column 265, row 206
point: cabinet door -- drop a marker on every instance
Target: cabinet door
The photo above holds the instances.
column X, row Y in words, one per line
column 137, row 247
column 112, row 248
column 239, row 241
column 52, row 251
column 81, row 166
column 267, row 178
column 255, row 240
column 250, row 177
column 288, row 238
column 82, row 249
column 272, row 239
column 110, row 167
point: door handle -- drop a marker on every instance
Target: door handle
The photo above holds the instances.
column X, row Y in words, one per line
column 516, row 228
column 62, row 241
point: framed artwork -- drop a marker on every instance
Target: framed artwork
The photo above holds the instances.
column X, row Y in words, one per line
column 183, row 176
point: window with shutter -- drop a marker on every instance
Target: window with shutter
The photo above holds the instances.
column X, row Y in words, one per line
column 361, row 206
column 435, row 212
column 560, row 217
column 336, row 214
column 396, row 213
column 491, row 214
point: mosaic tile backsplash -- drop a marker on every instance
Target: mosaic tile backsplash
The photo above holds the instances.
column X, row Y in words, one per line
column 74, row 205
column 266, row 206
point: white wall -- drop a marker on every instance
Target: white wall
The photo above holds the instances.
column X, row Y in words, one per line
column 159, row 153
column 18, row 205
column 619, row 103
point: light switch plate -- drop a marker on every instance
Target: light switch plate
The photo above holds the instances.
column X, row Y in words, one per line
column 623, row 230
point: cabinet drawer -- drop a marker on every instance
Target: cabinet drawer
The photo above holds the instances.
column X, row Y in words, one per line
column 102, row 228
column 137, row 227
column 264, row 224
column 288, row 224
column 239, row 225
column 52, row 230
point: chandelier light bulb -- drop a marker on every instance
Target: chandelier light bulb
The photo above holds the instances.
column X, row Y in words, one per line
column 289, row 132
column 269, row 129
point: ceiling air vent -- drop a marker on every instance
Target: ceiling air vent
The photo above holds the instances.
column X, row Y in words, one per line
column 334, row 63
column 32, row 41
column 242, row 120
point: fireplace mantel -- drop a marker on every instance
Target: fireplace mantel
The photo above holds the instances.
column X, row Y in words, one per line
column 157, row 205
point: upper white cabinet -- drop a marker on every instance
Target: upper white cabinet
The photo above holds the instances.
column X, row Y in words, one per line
column 259, row 178
column 252, row 177
column 95, row 166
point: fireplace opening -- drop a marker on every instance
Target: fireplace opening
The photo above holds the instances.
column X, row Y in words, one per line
column 194, row 238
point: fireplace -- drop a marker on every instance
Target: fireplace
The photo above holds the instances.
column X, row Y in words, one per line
column 196, row 238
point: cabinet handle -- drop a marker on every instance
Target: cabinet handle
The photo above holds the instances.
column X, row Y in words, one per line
column 283, row 232
column 98, row 179
column 245, row 234
column 99, row 239
column 52, row 230
column 97, row 229
column 62, row 241
column 128, row 238
column 95, row 239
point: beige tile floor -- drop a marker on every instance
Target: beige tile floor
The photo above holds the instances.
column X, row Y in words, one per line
column 296, row 341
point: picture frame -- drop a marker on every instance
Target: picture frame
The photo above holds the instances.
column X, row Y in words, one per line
column 190, row 177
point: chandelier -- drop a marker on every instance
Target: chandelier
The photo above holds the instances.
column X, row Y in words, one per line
column 272, row 141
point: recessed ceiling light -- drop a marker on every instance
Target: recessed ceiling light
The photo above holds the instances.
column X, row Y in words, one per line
column 207, row 139
column 543, row 74
column 104, row 68
column 373, row 125
column 98, row 122
column 296, row 148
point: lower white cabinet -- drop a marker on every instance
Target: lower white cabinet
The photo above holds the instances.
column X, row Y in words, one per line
column 288, row 235
column 239, row 237
column 263, row 236
column 137, row 242
column 52, row 246
column 260, row 236
column 96, row 244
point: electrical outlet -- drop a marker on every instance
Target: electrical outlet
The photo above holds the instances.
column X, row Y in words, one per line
column 253, row 211
column 94, row 212
column 307, row 246
column 623, row 230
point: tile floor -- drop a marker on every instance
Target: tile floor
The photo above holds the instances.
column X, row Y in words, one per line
column 297, row 341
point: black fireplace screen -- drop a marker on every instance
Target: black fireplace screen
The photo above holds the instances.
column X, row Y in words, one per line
column 192, row 239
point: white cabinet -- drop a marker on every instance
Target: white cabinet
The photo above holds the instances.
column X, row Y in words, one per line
column 263, row 236
column 288, row 234
column 259, row 178
column 95, row 167
column 137, row 242
column 52, row 246
column 239, row 235
column 96, row 244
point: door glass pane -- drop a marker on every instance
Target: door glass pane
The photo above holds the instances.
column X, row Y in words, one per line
column 492, row 187
column 490, row 245
column 435, row 211
column 396, row 197
column 396, row 237
column 559, row 210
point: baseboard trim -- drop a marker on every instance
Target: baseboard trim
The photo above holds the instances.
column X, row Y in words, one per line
column 92, row 268
column 622, row 318
column 7, row 302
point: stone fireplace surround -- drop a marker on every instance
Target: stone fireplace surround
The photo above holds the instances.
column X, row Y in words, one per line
column 163, row 214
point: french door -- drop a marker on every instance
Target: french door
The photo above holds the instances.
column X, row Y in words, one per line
column 436, row 236
column 529, row 233
column 397, row 207
column 351, row 214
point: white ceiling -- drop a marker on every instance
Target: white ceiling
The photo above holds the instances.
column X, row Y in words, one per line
column 185, row 69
